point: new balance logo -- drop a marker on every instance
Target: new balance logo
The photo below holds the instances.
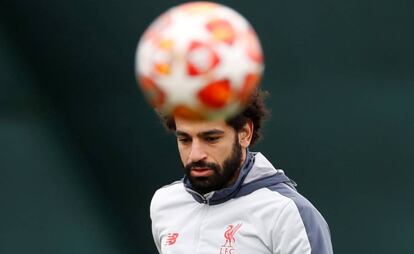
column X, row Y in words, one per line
column 171, row 238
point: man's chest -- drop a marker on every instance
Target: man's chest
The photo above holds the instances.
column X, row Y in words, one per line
column 207, row 229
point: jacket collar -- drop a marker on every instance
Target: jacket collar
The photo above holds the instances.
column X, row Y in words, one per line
column 256, row 172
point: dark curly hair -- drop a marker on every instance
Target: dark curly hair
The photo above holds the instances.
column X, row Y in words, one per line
column 255, row 111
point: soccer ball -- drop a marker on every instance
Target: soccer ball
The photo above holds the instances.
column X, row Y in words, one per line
column 199, row 60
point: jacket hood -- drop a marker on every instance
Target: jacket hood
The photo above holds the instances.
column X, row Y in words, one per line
column 256, row 173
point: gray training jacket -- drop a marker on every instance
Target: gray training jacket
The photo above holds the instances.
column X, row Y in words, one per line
column 261, row 213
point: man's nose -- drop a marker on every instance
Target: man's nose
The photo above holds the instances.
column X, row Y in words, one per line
column 197, row 152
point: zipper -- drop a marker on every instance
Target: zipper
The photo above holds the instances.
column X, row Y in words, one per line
column 205, row 198
column 203, row 214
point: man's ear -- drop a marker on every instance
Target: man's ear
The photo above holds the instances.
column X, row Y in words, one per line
column 245, row 134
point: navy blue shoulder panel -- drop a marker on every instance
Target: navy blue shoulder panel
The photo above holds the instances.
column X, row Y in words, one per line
column 315, row 225
column 277, row 178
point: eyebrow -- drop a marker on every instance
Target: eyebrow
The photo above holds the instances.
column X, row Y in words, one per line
column 201, row 134
column 181, row 133
column 210, row 133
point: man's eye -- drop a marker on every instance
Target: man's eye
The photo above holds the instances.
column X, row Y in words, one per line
column 183, row 140
column 212, row 139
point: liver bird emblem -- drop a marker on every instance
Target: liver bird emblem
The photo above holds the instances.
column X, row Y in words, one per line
column 229, row 234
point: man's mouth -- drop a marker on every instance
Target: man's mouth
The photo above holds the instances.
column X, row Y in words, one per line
column 201, row 172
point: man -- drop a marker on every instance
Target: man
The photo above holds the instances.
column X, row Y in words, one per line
column 231, row 200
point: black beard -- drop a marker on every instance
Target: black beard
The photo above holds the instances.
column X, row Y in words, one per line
column 221, row 176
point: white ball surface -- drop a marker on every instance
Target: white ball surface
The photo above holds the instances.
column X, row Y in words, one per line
column 199, row 60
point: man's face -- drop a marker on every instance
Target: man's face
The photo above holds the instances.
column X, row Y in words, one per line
column 210, row 152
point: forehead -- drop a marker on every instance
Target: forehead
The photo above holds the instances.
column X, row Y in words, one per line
column 194, row 127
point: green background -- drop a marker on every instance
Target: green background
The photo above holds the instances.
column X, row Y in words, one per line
column 81, row 152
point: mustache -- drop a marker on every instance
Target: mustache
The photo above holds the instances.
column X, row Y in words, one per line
column 202, row 164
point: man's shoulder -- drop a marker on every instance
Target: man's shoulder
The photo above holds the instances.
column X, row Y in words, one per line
column 290, row 192
column 167, row 195
column 315, row 225
column 169, row 189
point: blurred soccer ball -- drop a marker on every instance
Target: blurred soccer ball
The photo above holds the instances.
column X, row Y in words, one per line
column 199, row 60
